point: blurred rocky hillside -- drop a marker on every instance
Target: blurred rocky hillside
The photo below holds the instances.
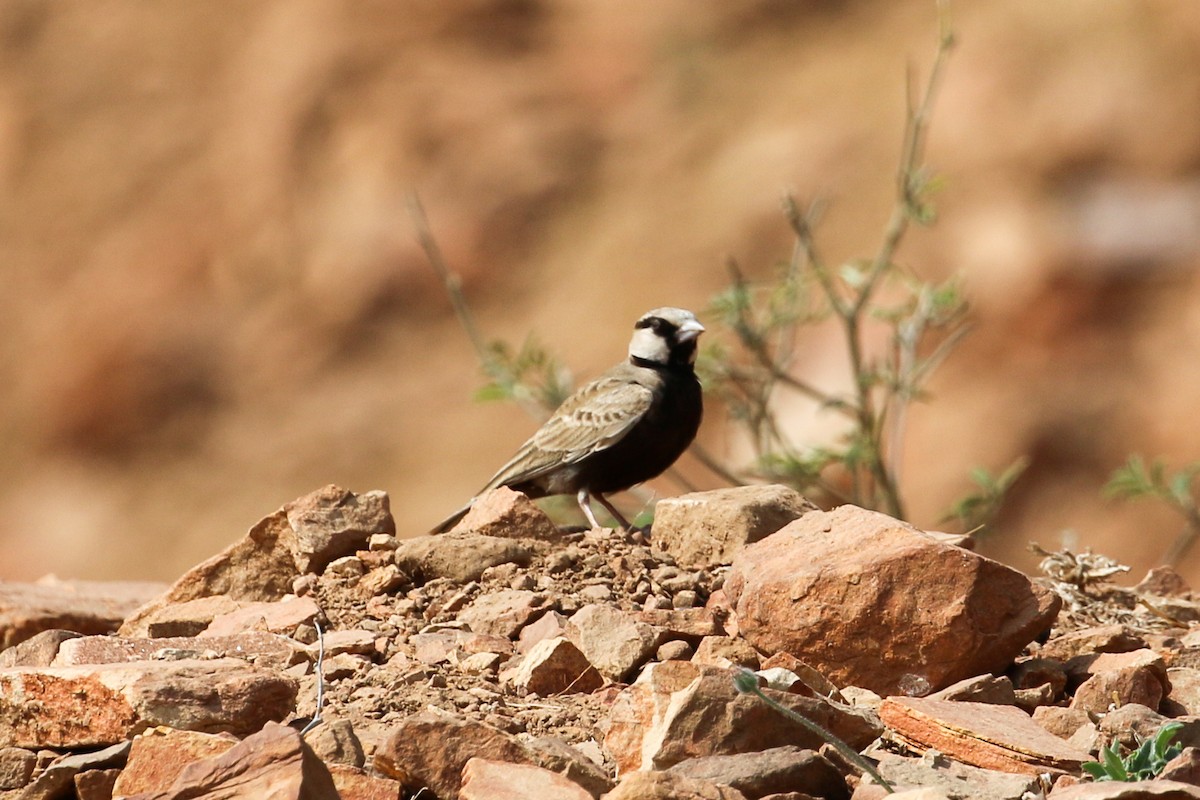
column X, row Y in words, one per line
column 213, row 300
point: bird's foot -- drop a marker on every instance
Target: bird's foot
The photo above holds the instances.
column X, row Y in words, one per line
column 625, row 524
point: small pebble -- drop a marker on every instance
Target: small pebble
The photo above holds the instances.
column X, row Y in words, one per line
column 676, row 650
column 382, row 541
column 685, row 599
column 501, row 573
column 304, row 584
column 654, row 601
column 346, row 567
column 305, row 633
column 558, row 562
column 597, row 593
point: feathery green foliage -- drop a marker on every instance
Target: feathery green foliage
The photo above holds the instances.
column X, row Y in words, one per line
column 979, row 508
column 1137, row 480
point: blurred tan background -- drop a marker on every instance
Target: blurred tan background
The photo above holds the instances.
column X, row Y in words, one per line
column 212, row 299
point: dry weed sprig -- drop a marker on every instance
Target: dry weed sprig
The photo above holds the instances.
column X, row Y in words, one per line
column 924, row 321
column 529, row 375
column 746, row 682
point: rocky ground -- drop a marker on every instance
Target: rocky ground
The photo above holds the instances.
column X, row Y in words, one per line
column 319, row 657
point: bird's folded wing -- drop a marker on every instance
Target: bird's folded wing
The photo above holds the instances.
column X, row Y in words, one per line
column 597, row 416
column 594, row 418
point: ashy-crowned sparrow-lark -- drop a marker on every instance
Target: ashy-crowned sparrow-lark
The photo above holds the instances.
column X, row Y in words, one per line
column 625, row 427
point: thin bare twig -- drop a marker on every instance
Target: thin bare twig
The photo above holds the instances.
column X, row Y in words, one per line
column 450, row 280
column 802, row 226
column 704, row 457
column 907, row 175
column 908, row 186
column 1186, row 538
column 493, row 367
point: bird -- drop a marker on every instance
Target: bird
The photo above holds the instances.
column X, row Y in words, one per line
column 623, row 428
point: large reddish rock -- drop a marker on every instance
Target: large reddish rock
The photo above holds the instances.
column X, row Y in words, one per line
column 706, row 529
column 554, row 666
column 84, row 706
column 160, row 755
column 986, row 735
column 88, row 607
column 670, row 786
column 614, row 642
column 432, row 751
column 157, row 756
column 507, row 514
column 497, row 780
column 678, row 710
column 303, row 536
column 873, row 602
column 273, row 763
column 1137, row 677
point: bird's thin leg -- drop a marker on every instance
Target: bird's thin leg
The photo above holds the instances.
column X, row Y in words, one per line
column 585, row 505
column 616, row 514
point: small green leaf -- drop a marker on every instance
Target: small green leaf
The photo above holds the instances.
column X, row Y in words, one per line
column 1165, row 735
column 853, row 275
column 1181, row 488
column 1112, row 764
column 978, row 508
column 1138, row 762
column 491, row 393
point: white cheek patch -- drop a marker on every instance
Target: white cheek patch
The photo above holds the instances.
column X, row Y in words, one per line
column 649, row 346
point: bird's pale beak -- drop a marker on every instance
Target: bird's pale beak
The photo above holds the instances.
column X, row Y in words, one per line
column 689, row 330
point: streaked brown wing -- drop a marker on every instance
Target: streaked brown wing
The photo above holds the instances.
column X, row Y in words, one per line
column 592, row 419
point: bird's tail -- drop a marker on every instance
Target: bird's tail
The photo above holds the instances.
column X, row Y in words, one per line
column 452, row 520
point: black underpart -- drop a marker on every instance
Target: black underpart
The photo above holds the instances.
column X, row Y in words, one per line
column 646, row 451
